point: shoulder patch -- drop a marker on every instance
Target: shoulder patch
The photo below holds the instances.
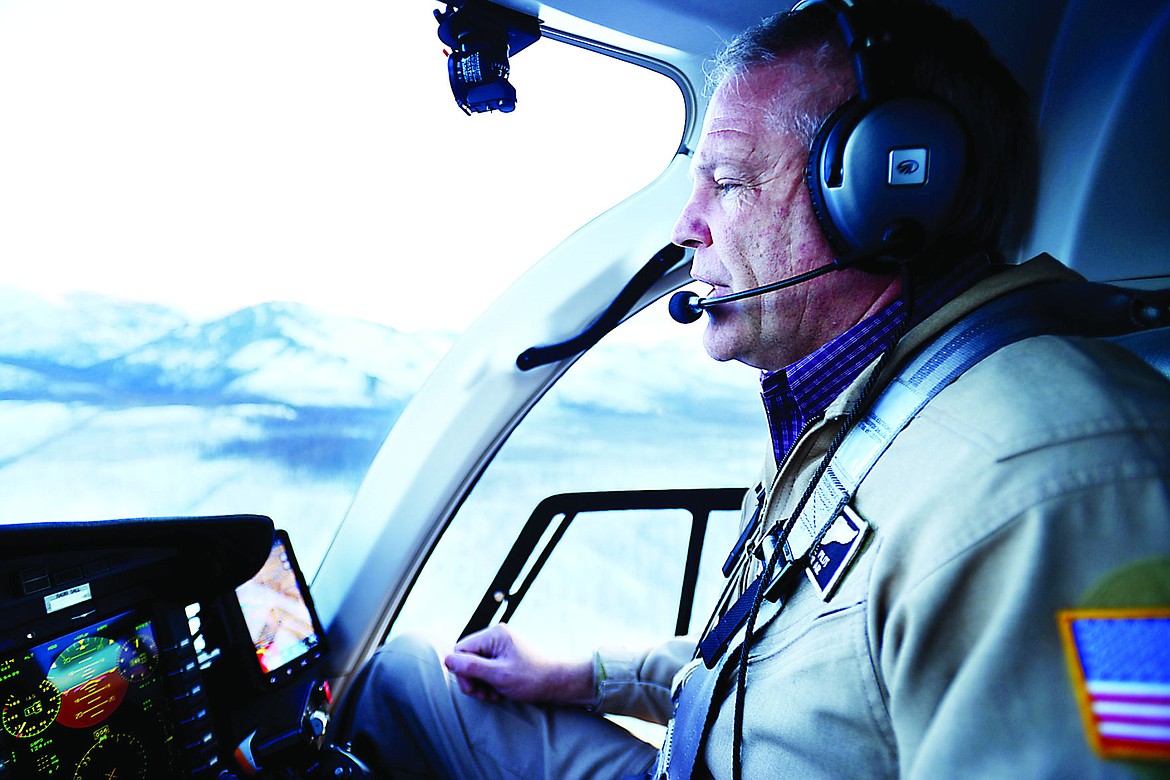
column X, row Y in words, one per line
column 1119, row 660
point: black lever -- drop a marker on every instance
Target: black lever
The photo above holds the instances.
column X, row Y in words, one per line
column 664, row 260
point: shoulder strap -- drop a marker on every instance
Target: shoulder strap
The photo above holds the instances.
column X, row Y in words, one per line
column 989, row 328
column 1068, row 308
column 1059, row 308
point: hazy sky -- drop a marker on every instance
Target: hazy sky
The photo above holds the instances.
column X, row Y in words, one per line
column 214, row 154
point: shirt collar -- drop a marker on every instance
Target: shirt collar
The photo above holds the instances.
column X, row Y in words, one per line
column 800, row 392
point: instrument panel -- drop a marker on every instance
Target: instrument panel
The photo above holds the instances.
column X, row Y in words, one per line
column 90, row 699
column 155, row 649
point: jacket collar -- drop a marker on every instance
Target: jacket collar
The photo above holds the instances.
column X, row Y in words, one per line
column 1040, row 269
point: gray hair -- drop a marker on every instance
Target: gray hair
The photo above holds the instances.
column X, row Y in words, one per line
column 815, row 48
column 931, row 54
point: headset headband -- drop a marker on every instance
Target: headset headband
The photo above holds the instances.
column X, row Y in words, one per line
column 889, row 166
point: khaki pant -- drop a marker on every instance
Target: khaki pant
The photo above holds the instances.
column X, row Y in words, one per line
column 412, row 721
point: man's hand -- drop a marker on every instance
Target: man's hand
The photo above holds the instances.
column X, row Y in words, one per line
column 493, row 664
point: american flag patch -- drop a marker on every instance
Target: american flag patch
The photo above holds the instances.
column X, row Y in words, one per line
column 1120, row 665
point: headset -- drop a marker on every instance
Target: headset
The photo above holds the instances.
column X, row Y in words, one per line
column 888, row 167
column 886, row 172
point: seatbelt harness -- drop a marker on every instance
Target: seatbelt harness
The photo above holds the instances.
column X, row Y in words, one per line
column 993, row 326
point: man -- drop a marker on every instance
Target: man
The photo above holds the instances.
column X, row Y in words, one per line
column 1034, row 481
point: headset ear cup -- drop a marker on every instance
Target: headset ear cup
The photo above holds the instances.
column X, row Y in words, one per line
column 894, row 164
column 824, row 169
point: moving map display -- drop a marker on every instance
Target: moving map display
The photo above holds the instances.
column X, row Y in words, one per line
column 280, row 621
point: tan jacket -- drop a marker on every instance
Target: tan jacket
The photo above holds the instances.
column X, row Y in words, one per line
column 1025, row 483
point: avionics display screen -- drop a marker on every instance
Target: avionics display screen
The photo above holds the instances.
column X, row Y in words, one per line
column 284, row 631
column 88, row 704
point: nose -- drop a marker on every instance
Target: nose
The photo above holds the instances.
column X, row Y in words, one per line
column 691, row 230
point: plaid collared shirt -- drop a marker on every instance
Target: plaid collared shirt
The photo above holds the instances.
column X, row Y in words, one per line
column 801, row 391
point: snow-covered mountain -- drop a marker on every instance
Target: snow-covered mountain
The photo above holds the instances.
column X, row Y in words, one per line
column 113, row 409
column 93, row 349
column 288, row 353
column 100, row 351
column 77, row 330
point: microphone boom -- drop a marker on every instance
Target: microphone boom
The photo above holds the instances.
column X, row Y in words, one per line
column 686, row 307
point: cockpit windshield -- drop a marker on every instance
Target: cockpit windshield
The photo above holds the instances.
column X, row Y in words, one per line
column 236, row 239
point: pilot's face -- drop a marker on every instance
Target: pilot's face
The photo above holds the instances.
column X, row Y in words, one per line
column 751, row 222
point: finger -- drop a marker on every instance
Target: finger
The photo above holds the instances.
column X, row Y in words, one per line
column 463, row 664
column 485, row 692
column 485, row 642
column 471, row 643
column 466, row 684
column 478, row 689
column 477, row 639
column 476, row 669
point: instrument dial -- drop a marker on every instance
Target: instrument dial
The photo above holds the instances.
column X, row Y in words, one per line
column 117, row 756
column 29, row 713
column 137, row 659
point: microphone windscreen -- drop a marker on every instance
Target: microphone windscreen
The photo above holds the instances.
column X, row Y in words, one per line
column 684, row 307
